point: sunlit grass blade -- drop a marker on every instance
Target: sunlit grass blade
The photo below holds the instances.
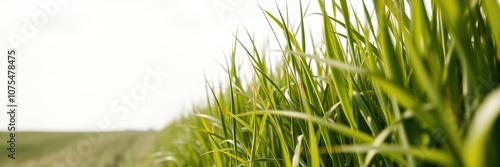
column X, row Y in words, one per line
column 481, row 128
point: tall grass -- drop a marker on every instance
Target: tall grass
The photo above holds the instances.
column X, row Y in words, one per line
column 412, row 86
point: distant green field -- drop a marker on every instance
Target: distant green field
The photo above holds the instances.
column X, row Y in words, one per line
column 64, row 149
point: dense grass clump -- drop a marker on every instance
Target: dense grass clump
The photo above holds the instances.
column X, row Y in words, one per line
column 416, row 85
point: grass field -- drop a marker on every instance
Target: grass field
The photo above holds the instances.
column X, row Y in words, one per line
column 413, row 84
column 416, row 85
column 57, row 149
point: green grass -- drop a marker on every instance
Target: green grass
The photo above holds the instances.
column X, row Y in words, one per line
column 409, row 88
column 52, row 149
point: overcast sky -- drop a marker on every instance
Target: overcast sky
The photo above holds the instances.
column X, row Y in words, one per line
column 132, row 64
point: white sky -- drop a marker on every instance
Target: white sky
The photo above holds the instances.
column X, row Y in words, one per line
column 78, row 65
